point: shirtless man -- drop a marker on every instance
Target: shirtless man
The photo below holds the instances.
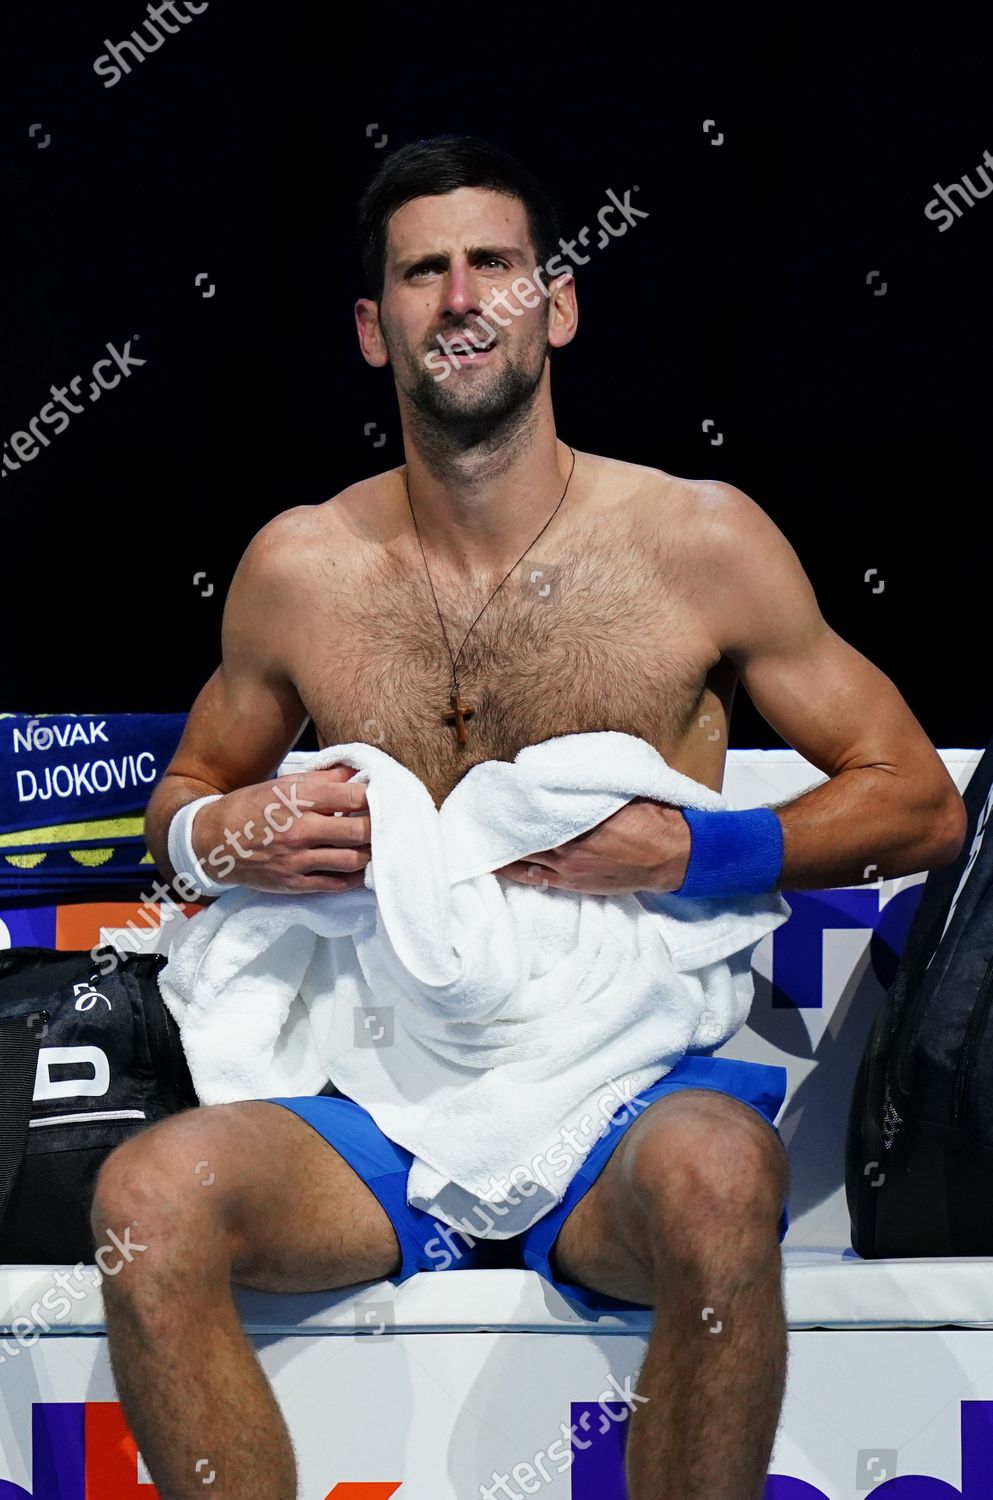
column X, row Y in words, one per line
column 666, row 593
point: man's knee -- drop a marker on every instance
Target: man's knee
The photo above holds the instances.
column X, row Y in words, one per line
column 156, row 1187
column 705, row 1169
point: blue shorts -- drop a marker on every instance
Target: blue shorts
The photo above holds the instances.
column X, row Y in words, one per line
column 424, row 1245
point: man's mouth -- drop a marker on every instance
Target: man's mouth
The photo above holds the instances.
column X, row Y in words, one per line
column 464, row 351
column 478, row 357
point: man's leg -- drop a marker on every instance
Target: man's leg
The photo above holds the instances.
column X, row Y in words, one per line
column 248, row 1193
column 684, row 1217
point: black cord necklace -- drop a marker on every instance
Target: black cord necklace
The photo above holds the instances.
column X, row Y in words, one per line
column 460, row 711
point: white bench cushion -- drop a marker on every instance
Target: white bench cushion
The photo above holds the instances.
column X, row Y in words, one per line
column 824, row 1288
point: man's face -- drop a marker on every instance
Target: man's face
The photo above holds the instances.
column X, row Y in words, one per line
column 447, row 258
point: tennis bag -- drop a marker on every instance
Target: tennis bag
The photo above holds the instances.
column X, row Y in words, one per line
column 919, row 1142
column 88, row 1057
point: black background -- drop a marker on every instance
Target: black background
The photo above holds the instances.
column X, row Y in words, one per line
column 859, row 422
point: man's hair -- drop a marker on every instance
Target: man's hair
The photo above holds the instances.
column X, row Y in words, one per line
column 423, row 169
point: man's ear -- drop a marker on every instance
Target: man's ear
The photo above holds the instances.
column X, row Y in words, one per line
column 563, row 311
column 371, row 341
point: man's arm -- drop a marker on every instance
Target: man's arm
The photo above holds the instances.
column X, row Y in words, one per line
column 248, row 715
column 889, row 806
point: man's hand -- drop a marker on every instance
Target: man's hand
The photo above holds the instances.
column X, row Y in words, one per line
column 304, row 832
column 644, row 846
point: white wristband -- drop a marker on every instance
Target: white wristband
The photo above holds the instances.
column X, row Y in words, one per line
column 180, row 848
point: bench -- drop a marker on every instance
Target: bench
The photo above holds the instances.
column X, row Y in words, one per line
column 473, row 1383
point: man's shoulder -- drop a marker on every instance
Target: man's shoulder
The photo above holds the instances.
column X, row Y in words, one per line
column 697, row 508
column 352, row 513
column 711, row 514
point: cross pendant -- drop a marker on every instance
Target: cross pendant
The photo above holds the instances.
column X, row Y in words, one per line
column 460, row 712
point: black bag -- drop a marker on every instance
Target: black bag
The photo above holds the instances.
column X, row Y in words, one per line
column 89, row 1056
column 919, row 1144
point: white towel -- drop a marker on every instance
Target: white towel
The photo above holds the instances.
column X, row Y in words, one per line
column 477, row 1019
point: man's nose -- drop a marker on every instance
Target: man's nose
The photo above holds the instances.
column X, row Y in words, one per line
column 462, row 290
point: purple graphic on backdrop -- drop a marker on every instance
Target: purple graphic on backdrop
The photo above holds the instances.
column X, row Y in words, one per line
column 58, row 1452
column 798, row 946
column 598, row 1470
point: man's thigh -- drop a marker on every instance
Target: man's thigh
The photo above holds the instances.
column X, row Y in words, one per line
column 693, row 1165
column 296, row 1216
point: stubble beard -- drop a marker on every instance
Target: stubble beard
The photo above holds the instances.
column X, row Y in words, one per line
column 485, row 411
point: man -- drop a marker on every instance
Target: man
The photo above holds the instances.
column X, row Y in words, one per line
column 393, row 614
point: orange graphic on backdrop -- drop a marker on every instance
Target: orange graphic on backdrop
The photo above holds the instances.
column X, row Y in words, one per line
column 112, row 1463
column 77, row 926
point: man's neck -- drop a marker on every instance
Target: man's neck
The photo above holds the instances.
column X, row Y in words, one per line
column 472, row 518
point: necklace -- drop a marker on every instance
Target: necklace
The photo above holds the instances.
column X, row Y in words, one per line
column 460, row 711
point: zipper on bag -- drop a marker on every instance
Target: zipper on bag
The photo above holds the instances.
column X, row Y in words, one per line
column 976, row 1020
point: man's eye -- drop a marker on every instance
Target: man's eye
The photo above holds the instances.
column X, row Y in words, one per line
column 429, row 266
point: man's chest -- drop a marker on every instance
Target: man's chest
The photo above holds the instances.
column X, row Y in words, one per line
column 597, row 641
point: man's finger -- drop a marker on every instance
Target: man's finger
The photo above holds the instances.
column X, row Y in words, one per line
column 333, row 862
column 320, row 829
column 528, row 872
column 328, row 790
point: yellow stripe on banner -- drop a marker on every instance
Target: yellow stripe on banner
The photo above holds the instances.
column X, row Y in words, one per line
column 71, row 833
column 90, row 856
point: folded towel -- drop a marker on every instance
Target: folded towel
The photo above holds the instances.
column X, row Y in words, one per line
column 477, row 1019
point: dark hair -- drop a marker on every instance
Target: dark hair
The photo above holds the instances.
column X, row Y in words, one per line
column 422, row 169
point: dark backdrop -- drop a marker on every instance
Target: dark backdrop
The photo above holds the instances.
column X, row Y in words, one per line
column 857, row 417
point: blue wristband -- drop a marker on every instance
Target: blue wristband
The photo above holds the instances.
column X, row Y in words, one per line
column 732, row 853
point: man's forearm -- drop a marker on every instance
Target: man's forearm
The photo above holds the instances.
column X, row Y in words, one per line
column 172, row 793
column 868, row 824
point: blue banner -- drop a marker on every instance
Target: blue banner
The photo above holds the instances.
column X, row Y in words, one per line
column 74, row 768
column 73, row 792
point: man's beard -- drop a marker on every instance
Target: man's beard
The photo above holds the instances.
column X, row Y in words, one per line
column 478, row 409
